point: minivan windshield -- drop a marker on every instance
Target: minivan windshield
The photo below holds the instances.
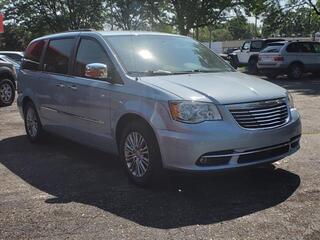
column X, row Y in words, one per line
column 150, row 55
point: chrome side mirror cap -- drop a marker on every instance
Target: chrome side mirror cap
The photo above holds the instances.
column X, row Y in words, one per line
column 96, row 70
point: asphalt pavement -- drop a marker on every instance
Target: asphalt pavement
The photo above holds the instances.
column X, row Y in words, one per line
column 62, row 190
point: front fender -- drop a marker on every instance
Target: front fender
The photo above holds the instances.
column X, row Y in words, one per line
column 154, row 112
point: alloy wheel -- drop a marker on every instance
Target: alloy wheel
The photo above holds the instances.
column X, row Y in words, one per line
column 296, row 72
column 6, row 92
column 32, row 122
column 136, row 154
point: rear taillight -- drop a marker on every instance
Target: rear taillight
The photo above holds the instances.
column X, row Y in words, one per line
column 278, row 59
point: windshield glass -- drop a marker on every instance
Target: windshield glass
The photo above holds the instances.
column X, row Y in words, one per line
column 164, row 55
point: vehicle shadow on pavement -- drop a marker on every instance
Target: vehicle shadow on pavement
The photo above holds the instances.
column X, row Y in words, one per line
column 74, row 173
column 308, row 85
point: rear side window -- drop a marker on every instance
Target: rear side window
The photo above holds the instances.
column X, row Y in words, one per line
column 246, row 46
column 293, row 47
column 256, row 46
column 316, row 47
column 89, row 51
column 57, row 56
column 307, row 48
column 33, row 55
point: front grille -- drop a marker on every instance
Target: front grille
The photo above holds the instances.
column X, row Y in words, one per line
column 264, row 114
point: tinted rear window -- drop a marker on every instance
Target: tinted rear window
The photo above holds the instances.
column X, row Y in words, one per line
column 256, row 46
column 293, row 47
column 57, row 55
column 33, row 55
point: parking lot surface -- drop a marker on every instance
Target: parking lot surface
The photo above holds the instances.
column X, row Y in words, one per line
column 62, row 190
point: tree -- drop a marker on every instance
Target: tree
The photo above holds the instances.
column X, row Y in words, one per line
column 290, row 20
column 34, row 18
column 239, row 28
column 128, row 14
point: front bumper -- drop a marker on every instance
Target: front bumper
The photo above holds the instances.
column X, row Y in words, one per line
column 227, row 145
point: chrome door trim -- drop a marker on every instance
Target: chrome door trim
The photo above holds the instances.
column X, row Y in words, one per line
column 74, row 115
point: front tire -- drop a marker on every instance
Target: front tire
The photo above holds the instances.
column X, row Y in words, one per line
column 32, row 123
column 252, row 66
column 7, row 92
column 140, row 154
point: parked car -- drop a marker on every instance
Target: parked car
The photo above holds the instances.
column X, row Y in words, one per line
column 291, row 58
column 248, row 54
column 15, row 64
column 159, row 101
column 7, row 83
column 15, row 55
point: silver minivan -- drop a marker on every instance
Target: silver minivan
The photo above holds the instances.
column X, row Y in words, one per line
column 159, row 101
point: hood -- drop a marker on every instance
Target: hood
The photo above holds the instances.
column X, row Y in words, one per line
column 221, row 88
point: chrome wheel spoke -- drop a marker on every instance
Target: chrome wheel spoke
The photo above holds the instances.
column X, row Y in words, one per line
column 136, row 154
column 32, row 122
column 6, row 92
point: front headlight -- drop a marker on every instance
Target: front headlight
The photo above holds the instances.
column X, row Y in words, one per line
column 290, row 100
column 193, row 112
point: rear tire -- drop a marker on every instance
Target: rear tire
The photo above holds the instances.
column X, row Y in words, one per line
column 32, row 123
column 7, row 92
column 295, row 71
column 140, row 154
column 252, row 66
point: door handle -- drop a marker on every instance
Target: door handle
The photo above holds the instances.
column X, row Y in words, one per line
column 73, row 87
column 60, row 85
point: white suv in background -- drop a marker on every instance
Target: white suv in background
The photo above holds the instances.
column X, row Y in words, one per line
column 291, row 58
column 247, row 55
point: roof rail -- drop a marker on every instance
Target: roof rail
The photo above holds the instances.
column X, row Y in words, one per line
column 82, row 30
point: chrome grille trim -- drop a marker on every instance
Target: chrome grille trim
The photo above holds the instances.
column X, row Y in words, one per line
column 261, row 115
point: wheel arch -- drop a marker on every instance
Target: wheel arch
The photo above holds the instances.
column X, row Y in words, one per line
column 7, row 74
column 297, row 62
column 26, row 100
column 126, row 119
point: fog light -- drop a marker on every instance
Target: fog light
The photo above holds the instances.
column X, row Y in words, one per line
column 203, row 160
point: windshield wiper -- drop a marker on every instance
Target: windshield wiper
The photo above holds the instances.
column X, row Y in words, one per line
column 151, row 73
column 166, row 72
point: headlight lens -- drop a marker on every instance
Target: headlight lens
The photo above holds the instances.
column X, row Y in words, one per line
column 290, row 100
column 193, row 112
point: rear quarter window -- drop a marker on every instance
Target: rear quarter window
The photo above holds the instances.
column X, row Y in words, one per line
column 32, row 55
column 293, row 48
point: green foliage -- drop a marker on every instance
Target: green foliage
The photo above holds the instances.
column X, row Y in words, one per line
column 33, row 18
column 290, row 21
column 206, row 20
column 239, row 28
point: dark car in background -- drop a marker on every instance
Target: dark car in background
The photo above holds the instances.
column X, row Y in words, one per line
column 7, row 83
column 14, row 55
column 290, row 58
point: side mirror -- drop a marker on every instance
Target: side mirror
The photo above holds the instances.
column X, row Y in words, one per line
column 96, row 70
